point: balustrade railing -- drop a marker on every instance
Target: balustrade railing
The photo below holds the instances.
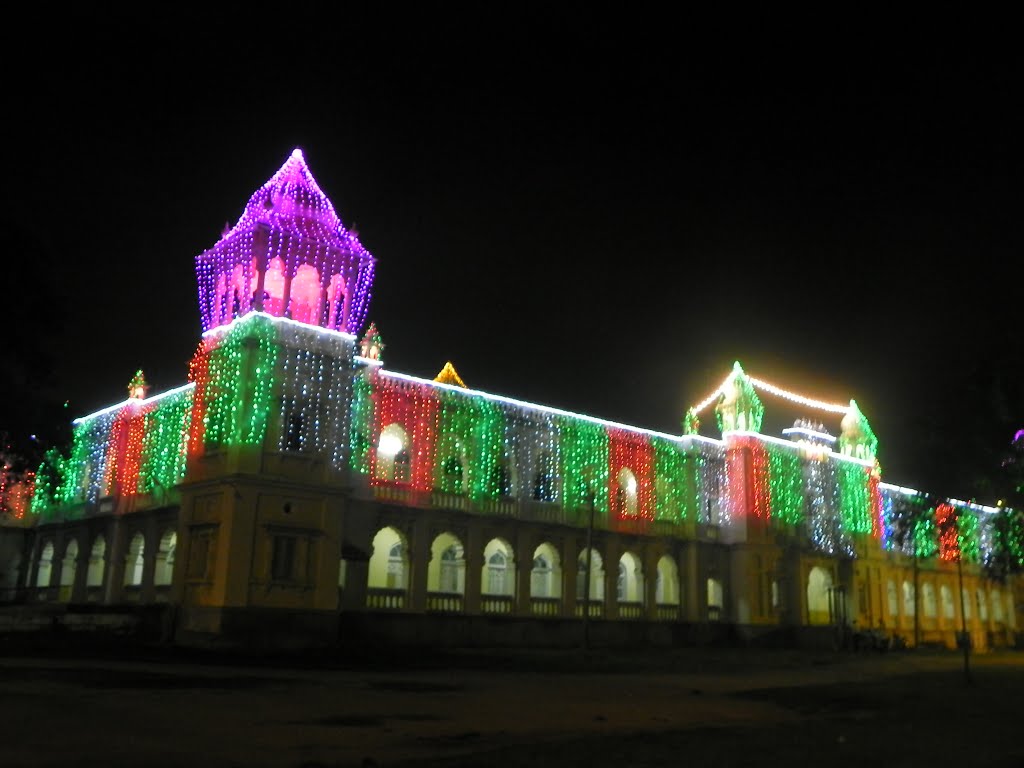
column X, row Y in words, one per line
column 382, row 599
column 444, row 602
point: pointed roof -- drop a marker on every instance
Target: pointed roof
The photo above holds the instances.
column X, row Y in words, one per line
column 448, row 375
column 292, row 201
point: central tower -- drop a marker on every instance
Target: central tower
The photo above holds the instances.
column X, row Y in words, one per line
column 288, row 255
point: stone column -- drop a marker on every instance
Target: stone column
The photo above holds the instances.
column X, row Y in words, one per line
column 419, row 562
column 474, row 557
column 650, row 571
column 147, row 590
column 569, row 554
column 524, row 571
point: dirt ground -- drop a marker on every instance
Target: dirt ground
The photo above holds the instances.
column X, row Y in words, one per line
column 702, row 707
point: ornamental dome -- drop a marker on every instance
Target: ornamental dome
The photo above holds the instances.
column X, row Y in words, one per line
column 288, row 255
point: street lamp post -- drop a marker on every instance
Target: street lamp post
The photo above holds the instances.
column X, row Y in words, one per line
column 586, row 578
column 965, row 641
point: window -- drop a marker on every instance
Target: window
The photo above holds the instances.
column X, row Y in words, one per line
column 452, row 474
column 540, row 577
column 395, row 575
column 620, row 585
column 94, row 575
column 282, row 560
column 403, row 470
column 451, row 560
column 294, row 439
column 496, row 573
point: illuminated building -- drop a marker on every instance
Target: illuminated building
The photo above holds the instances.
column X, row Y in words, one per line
column 296, row 490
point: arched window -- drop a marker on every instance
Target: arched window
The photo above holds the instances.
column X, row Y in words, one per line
column 304, row 294
column 396, row 567
column 69, row 565
column 997, row 606
column 626, row 493
column 450, row 569
column 545, row 578
column 894, row 598
column 45, row 568
column 819, row 594
column 908, row 599
column 666, row 590
column 946, row 596
column 135, row 561
column 388, row 568
column 629, row 587
column 496, row 574
column 715, row 595
column 982, row 605
column 543, row 482
column 928, row 595
column 966, row 597
column 165, row 559
column 392, row 460
column 97, row 563
column 273, row 288
column 540, row 577
column 452, row 477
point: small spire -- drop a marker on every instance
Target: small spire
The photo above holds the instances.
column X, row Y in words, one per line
column 371, row 346
column 137, row 387
column 448, row 375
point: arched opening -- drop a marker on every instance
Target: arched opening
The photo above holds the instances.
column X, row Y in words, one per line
column 666, row 591
column 68, row 569
column 453, row 475
column 909, row 603
column 928, row 598
column 893, row 598
column 543, row 479
column 336, row 303
column 392, row 462
column 499, row 573
column 596, row 576
column 273, row 288
column 819, row 592
column 503, row 477
column 447, row 571
column 625, row 493
column 221, row 306
column 630, row 584
column 134, row 561
column 304, row 296
column 546, row 576
column 966, row 597
column 1011, row 614
column 165, row 559
column 982, row 605
column 97, row 563
column 997, row 606
column 242, row 286
column 946, row 596
column 716, row 599
column 44, row 570
column 389, row 562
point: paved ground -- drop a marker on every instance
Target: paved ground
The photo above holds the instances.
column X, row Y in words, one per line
column 660, row 708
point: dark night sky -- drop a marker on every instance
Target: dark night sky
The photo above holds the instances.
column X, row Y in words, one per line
column 576, row 208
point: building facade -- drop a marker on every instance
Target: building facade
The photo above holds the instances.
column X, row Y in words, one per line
column 297, row 491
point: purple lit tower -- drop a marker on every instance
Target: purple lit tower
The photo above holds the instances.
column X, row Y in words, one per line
column 288, row 255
